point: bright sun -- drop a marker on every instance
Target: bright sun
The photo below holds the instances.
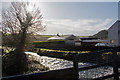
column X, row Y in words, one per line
column 29, row 8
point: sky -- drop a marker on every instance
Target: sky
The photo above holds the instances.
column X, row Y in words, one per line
column 78, row 18
column 62, row 0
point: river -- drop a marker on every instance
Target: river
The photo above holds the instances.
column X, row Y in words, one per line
column 56, row 63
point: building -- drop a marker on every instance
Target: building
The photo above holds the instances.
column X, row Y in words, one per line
column 91, row 41
column 68, row 39
column 75, row 41
column 71, row 39
column 114, row 34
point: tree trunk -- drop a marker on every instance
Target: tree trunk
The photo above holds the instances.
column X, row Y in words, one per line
column 19, row 65
column 22, row 60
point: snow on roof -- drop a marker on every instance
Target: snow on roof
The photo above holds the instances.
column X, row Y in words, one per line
column 56, row 38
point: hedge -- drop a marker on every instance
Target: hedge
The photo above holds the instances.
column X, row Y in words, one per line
column 43, row 43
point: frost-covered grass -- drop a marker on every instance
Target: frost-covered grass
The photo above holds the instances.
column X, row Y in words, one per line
column 34, row 63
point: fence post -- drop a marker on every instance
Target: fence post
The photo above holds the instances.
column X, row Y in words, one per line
column 75, row 65
column 115, row 65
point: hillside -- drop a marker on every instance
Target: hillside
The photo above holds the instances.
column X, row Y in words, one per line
column 103, row 34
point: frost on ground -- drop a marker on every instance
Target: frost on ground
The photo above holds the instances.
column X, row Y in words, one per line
column 34, row 63
column 56, row 63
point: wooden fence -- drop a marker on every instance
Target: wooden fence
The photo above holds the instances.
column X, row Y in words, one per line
column 114, row 63
column 74, row 48
column 62, row 74
column 72, row 73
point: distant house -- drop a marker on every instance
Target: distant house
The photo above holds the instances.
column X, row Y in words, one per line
column 68, row 39
column 114, row 34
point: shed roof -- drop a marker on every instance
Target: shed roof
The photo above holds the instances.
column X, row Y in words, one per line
column 93, row 40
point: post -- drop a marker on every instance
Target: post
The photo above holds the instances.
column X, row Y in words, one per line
column 115, row 65
column 75, row 65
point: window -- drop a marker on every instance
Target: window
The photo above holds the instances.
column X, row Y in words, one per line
column 112, row 41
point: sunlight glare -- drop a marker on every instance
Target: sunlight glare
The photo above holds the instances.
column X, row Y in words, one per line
column 30, row 8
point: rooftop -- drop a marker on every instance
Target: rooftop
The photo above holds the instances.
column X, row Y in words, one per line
column 118, row 21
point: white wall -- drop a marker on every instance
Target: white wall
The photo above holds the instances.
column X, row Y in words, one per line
column 113, row 35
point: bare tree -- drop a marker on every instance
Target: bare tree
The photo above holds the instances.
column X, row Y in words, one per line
column 17, row 23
